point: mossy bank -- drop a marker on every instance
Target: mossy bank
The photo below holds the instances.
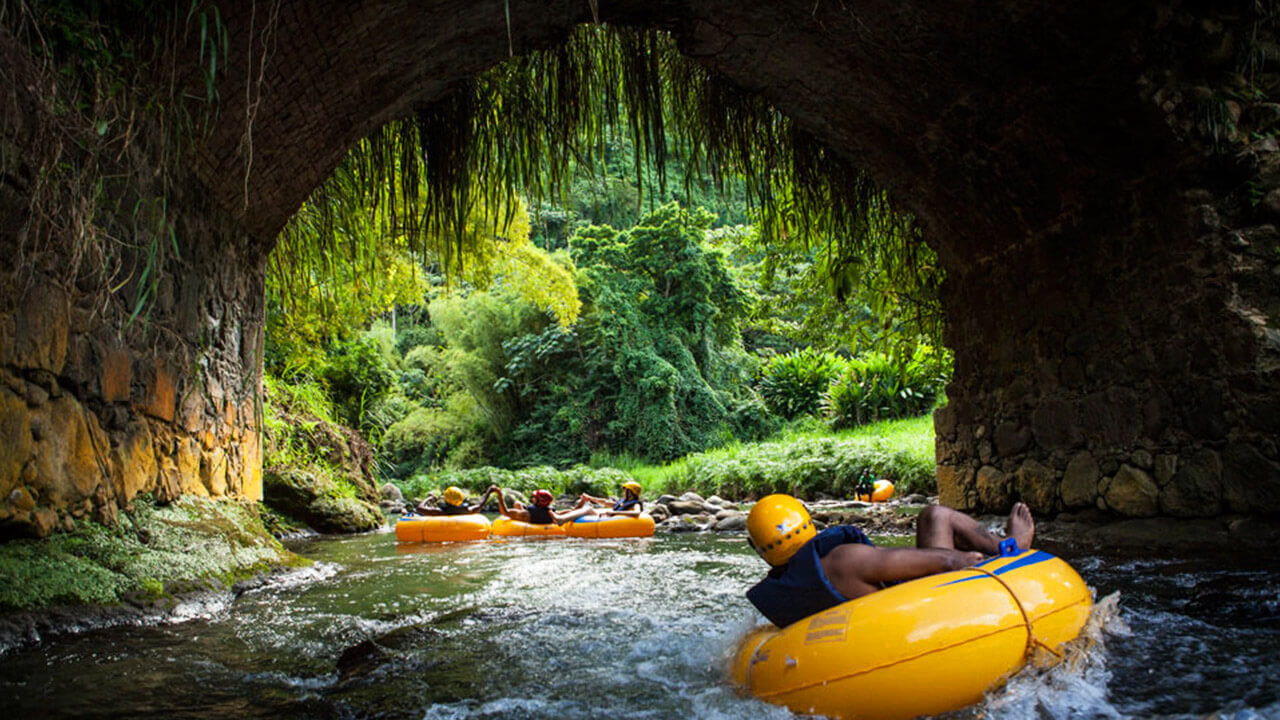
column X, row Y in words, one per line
column 145, row 565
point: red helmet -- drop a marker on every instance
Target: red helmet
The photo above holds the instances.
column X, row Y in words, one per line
column 542, row 498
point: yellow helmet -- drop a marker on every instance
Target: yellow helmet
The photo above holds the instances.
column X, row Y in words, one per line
column 454, row 495
column 777, row 526
column 633, row 486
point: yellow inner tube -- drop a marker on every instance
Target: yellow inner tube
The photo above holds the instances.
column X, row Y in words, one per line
column 924, row 647
column 611, row 526
column 880, row 492
column 442, row 528
column 504, row 526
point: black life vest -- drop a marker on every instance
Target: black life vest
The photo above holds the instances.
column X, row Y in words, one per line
column 628, row 504
column 799, row 589
column 539, row 515
column 447, row 509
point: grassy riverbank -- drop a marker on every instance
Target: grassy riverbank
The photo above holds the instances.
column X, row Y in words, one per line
column 805, row 463
column 152, row 552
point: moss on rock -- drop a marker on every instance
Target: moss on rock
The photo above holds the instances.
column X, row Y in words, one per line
column 318, row 501
column 153, row 551
column 318, row 471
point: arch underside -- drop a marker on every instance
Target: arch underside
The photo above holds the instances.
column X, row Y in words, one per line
column 1112, row 313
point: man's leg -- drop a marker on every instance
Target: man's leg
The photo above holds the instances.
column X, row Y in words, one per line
column 572, row 515
column 942, row 527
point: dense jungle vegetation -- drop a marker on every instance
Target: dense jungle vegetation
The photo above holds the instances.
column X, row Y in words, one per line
column 632, row 308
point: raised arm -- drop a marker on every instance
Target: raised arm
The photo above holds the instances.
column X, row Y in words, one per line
column 856, row 570
column 513, row 513
column 483, row 499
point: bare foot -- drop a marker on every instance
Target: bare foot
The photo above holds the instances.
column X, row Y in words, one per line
column 1022, row 526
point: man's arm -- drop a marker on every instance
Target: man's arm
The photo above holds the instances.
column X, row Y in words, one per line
column 480, row 505
column 856, row 570
column 513, row 513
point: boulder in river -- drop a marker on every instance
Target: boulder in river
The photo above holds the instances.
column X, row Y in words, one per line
column 686, row 507
column 390, row 492
column 317, row 501
column 733, row 522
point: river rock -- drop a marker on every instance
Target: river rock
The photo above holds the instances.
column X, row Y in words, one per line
column 314, row 499
column 389, row 491
column 686, row 507
column 692, row 497
column 659, row 513
column 676, row 524
column 687, row 523
column 731, row 522
column 728, row 512
column 915, row 499
column 1132, row 492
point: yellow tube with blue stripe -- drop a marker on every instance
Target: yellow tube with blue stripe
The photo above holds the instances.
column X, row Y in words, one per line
column 923, row 647
column 612, row 526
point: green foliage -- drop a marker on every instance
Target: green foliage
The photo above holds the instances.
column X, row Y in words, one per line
column 451, row 435
column 877, row 387
column 807, row 464
column 653, row 367
column 620, row 187
column 884, row 296
column 303, row 433
column 796, row 383
column 571, row 481
column 521, row 127
column 358, row 378
column 348, row 257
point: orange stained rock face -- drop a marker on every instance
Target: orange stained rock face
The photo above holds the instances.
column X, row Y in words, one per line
column 161, row 393
column 117, row 375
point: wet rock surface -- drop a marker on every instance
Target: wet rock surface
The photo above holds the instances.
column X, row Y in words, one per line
column 691, row 513
column 316, row 500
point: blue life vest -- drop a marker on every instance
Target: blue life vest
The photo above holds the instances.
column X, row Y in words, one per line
column 539, row 515
column 799, row 589
column 628, row 504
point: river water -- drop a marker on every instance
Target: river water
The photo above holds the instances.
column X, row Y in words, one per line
column 620, row 629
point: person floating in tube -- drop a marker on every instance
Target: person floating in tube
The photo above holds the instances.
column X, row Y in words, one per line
column 454, row 503
column 629, row 506
column 813, row 571
column 537, row 512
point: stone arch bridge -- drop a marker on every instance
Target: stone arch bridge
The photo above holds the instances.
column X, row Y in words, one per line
column 1096, row 177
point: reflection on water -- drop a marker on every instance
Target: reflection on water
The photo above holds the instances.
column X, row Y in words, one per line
column 568, row 628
